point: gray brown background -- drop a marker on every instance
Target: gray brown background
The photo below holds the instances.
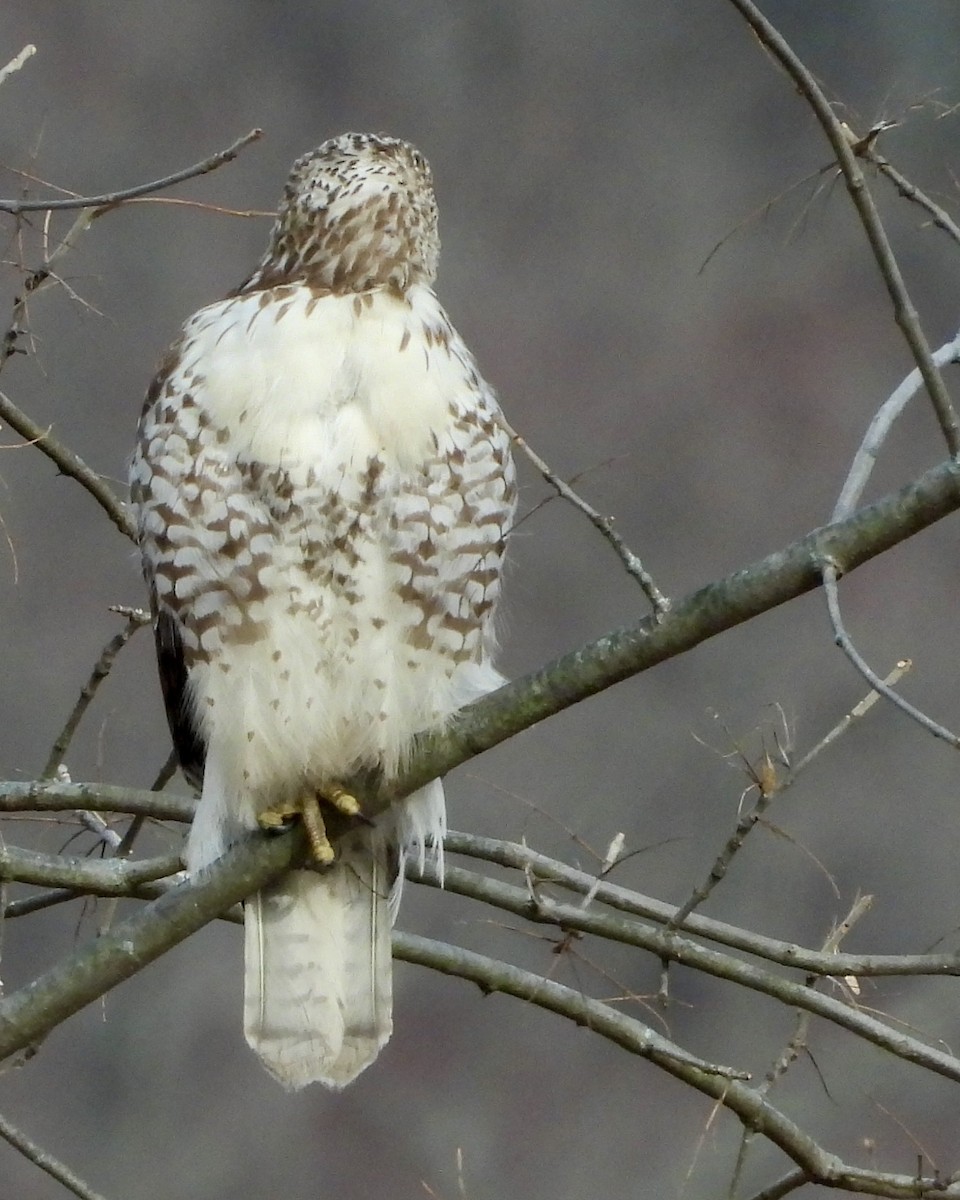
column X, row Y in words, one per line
column 587, row 158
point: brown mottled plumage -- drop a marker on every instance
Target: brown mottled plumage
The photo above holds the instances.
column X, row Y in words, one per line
column 323, row 490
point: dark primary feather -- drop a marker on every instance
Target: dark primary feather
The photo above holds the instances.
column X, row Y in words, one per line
column 187, row 741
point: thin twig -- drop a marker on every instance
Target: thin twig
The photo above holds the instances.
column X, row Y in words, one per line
column 110, row 199
column 40, row 901
column 797, row 1042
column 786, row 1184
column 938, row 215
column 46, row 1162
column 843, row 145
column 101, row 670
column 859, row 710
column 831, row 574
column 866, row 456
column 37, row 281
column 770, row 783
column 631, row 562
column 17, row 62
column 745, row 823
column 70, row 464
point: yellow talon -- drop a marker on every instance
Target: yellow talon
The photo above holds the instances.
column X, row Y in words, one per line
column 308, row 809
column 342, row 801
column 275, row 820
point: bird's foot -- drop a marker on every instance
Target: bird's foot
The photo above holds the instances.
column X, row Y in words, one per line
column 341, row 800
column 308, row 810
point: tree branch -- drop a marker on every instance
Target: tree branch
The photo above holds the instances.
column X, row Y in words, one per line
column 719, row 606
column 753, row 1110
column 69, row 463
column 668, row 946
column 28, row 1015
column 57, row 796
column 45, row 1161
column 843, row 145
column 95, row 876
column 101, row 669
column 787, row 954
column 110, row 199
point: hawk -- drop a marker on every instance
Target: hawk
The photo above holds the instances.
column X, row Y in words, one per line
column 323, row 490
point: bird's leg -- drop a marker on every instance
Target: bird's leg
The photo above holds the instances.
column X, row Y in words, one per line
column 316, row 831
column 308, row 809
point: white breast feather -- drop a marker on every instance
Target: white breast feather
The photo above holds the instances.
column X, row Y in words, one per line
column 323, row 392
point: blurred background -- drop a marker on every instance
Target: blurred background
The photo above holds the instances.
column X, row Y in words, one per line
column 588, row 159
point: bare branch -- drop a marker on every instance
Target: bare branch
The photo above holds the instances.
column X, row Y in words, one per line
column 69, row 463
column 910, row 191
column 632, row 564
column 859, row 710
column 101, row 670
column 669, row 947
column 57, row 796
column 45, row 1161
column 843, row 640
column 39, row 901
column 543, row 869
column 753, row 1110
column 17, row 62
column 111, row 199
column 719, row 606
column 786, row 1184
column 866, row 457
column 844, row 147
column 93, row 876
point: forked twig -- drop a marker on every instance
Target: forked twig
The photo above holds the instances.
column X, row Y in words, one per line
column 769, row 783
column 797, row 1041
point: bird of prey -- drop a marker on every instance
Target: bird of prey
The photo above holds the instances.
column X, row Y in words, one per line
column 323, row 491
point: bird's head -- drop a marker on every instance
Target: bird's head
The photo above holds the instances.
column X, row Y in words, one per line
column 357, row 213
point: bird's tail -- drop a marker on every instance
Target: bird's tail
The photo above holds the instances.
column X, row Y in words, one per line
column 318, row 979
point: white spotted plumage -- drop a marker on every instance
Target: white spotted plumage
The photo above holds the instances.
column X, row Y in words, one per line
column 323, row 491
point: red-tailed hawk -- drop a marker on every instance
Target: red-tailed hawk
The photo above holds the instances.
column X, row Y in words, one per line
column 323, row 491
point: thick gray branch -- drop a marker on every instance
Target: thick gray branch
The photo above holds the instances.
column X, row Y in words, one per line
column 29, row 1013
column 713, row 609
